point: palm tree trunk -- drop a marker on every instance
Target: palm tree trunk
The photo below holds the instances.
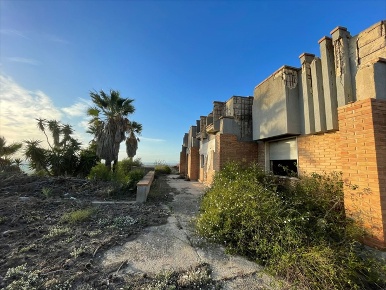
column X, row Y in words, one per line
column 108, row 164
column 115, row 164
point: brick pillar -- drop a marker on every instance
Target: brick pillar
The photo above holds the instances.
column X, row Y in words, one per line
column 182, row 169
column 193, row 163
column 362, row 127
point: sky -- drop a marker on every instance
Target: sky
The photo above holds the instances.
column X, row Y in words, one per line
column 174, row 58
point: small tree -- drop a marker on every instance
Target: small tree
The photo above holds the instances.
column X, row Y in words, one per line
column 63, row 155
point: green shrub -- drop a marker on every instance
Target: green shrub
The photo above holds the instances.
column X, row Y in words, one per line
column 78, row 215
column 134, row 176
column 298, row 232
column 160, row 167
column 100, row 172
column 127, row 164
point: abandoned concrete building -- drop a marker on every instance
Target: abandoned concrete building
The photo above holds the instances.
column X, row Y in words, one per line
column 327, row 115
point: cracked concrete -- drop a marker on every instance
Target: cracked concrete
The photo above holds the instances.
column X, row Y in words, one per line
column 175, row 246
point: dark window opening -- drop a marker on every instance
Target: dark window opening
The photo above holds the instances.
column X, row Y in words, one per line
column 284, row 167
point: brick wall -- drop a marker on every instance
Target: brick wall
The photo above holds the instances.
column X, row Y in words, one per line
column 182, row 169
column 319, row 153
column 230, row 149
column 193, row 163
column 362, row 128
column 379, row 118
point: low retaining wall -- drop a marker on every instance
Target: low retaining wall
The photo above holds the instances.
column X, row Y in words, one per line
column 143, row 187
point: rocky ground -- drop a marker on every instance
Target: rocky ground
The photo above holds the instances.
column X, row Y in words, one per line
column 54, row 231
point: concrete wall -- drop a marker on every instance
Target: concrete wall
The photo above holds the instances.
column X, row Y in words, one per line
column 276, row 105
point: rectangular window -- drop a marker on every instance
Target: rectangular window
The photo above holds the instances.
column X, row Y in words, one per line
column 202, row 161
column 283, row 157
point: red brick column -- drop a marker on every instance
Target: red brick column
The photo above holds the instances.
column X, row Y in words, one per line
column 362, row 127
column 182, row 169
column 193, row 163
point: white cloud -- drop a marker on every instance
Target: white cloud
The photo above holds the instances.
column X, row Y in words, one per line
column 76, row 110
column 19, row 109
column 23, row 60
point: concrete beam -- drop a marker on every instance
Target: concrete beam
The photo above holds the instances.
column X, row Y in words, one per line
column 308, row 100
column 340, row 39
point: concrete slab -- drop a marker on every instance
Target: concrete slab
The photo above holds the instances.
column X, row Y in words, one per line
column 175, row 246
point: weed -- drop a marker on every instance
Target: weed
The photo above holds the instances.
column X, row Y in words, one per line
column 3, row 219
column 28, row 248
column 22, row 278
column 118, row 222
column 78, row 215
column 57, row 231
column 76, row 252
column 46, row 191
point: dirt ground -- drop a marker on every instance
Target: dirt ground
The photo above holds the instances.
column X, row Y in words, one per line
column 53, row 234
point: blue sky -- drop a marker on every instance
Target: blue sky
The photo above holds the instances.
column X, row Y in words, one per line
column 173, row 57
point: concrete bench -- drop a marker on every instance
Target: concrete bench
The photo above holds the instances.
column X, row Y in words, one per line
column 143, row 187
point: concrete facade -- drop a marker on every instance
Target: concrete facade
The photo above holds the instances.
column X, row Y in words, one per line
column 327, row 115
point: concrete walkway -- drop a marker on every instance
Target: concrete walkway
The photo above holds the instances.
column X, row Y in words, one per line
column 175, row 246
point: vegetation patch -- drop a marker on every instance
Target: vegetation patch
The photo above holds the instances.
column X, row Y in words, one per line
column 77, row 216
column 161, row 167
column 299, row 231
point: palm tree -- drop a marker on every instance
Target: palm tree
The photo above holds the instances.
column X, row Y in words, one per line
column 134, row 129
column 6, row 151
column 111, row 129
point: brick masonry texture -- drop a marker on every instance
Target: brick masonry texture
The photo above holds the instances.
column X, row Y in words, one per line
column 319, row 153
column 193, row 163
column 358, row 150
column 231, row 149
column 362, row 127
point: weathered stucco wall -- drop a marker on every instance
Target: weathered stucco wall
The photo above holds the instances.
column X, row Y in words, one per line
column 276, row 105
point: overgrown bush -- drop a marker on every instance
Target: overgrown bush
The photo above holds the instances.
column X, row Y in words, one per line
column 160, row 167
column 128, row 164
column 123, row 177
column 133, row 177
column 100, row 172
column 298, row 232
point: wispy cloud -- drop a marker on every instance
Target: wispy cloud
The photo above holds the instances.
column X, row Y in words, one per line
column 76, row 110
column 13, row 32
column 20, row 107
column 23, row 60
column 56, row 38
column 151, row 139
